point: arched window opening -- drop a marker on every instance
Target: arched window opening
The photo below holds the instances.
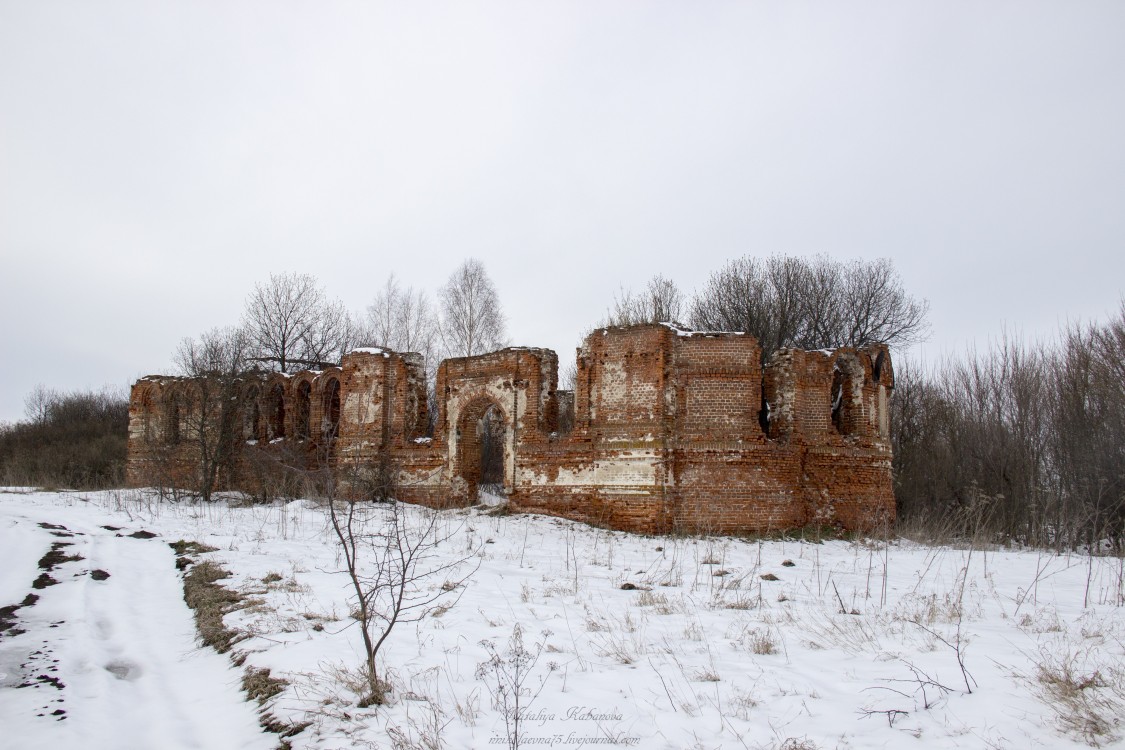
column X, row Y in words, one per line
column 275, row 412
column 147, row 417
column 877, row 369
column 764, row 415
column 331, row 425
column 847, row 377
column 252, row 416
column 838, row 401
column 172, row 421
column 301, row 426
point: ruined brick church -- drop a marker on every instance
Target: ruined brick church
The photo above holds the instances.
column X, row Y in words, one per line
column 666, row 430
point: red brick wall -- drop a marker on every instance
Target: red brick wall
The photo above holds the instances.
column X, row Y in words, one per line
column 668, row 430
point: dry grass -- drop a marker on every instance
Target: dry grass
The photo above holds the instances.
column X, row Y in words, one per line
column 183, row 547
column 1088, row 698
column 756, row 641
column 741, row 704
column 1043, row 621
column 209, row 602
column 795, row 743
column 930, row 609
column 743, row 601
column 706, row 675
column 259, row 685
column 660, row 603
column 618, row 640
column 851, row 634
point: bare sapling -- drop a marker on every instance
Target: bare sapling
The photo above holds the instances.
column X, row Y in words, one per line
column 958, row 642
column 400, row 570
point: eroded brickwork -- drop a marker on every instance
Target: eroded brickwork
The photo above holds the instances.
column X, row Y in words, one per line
column 666, row 430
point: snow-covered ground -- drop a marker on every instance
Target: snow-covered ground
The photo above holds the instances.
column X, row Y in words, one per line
column 714, row 642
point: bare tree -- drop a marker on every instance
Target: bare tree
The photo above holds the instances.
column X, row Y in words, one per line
column 810, row 303
column 876, row 308
column 1088, row 441
column 1022, row 442
column 335, row 334
column 759, row 297
column 292, row 325
column 402, row 320
column 37, row 404
column 214, row 365
column 73, row 439
column 471, row 319
column 399, row 570
column 661, row 301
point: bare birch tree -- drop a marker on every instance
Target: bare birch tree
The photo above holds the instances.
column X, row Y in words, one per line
column 402, row 320
column 472, row 321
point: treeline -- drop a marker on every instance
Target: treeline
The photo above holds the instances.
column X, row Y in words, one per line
column 70, row 440
column 1023, row 443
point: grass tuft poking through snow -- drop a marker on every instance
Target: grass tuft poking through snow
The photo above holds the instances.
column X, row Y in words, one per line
column 210, row 603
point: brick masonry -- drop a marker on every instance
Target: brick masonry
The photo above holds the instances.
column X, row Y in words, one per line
column 666, row 430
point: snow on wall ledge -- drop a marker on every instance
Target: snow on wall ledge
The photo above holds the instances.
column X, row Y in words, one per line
column 666, row 430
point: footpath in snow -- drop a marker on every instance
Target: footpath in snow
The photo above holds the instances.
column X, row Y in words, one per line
column 103, row 652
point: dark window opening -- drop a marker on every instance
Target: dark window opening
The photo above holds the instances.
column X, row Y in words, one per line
column 302, row 423
column 253, row 417
column 172, row 428
column 332, row 410
column 276, row 412
column 492, row 450
column 838, row 402
column 146, row 417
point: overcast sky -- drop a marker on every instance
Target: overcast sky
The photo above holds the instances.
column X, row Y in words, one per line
column 157, row 159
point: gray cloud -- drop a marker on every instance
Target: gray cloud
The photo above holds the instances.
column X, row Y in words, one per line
column 156, row 160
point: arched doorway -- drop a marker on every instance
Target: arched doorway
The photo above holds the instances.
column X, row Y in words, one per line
column 482, row 449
